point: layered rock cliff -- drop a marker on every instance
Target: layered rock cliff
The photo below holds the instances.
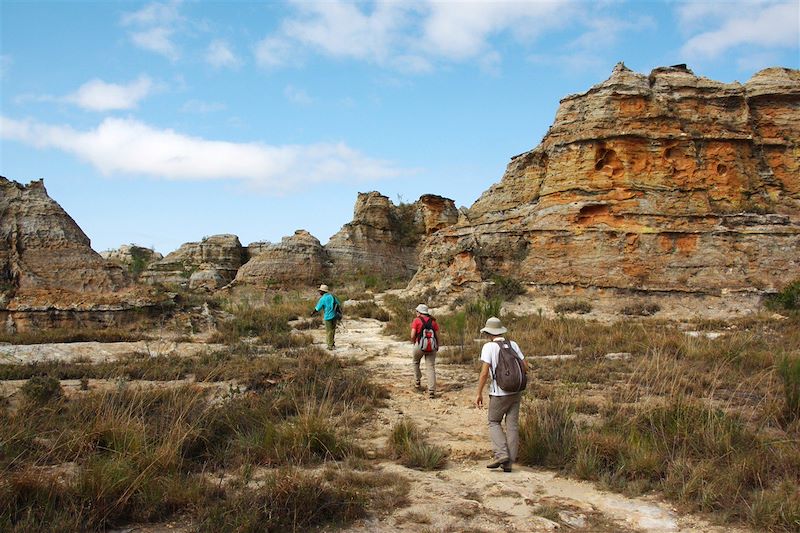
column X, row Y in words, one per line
column 384, row 238
column 660, row 182
column 211, row 263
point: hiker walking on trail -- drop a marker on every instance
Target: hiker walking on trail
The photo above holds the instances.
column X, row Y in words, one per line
column 505, row 367
column 425, row 338
column 332, row 314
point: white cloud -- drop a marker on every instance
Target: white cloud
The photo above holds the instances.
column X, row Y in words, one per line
column 155, row 26
column 412, row 36
column 97, row 95
column 220, row 54
column 761, row 24
column 297, row 96
column 132, row 147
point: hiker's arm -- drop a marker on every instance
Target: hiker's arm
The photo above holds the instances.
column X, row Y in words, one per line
column 482, row 383
column 413, row 335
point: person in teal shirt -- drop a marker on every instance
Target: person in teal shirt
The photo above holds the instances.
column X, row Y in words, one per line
column 329, row 304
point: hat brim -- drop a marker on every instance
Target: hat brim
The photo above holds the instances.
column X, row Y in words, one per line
column 493, row 331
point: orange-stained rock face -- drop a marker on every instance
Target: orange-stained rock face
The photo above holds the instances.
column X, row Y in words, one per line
column 666, row 182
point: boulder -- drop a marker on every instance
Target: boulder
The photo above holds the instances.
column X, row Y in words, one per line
column 297, row 259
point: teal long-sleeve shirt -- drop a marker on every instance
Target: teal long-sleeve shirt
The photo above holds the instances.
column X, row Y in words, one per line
column 326, row 302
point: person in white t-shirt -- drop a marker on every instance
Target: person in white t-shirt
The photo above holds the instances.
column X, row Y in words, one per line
column 502, row 404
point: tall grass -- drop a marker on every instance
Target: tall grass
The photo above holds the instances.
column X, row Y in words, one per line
column 140, row 454
column 408, row 444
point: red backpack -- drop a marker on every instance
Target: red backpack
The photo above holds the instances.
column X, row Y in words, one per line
column 426, row 340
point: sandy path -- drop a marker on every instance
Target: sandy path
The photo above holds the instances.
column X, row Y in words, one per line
column 465, row 496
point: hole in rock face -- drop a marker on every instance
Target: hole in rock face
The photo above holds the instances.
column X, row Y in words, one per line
column 589, row 212
column 722, row 169
column 672, row 153
column 608, row 162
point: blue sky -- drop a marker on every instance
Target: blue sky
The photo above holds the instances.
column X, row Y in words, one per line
column 158, row 123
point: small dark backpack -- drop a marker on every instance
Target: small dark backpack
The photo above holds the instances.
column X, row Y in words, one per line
column 510, row 372
column 427, row 337
column 337, row 310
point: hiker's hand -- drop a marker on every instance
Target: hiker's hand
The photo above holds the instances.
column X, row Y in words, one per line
column 479, row 401
column 314, row 312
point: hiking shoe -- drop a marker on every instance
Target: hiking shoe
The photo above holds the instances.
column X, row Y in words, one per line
column 417, row 385
column 506, row 466
column 431, row 395
column 500, row 462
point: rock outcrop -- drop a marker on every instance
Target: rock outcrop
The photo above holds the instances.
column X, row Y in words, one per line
column 666, row 182
column 49, row 274
column 41, row 247
column 210, row 263
column 297, row 259
column 132, row 258
column 383, row 238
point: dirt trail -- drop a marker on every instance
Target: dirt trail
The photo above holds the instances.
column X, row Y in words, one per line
column 465, row 496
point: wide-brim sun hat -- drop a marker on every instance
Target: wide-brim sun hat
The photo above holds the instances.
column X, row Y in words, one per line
column 494, row 326
column 323, row 288
column 422, row 308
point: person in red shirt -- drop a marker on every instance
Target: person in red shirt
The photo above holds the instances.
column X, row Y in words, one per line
column 423, row 347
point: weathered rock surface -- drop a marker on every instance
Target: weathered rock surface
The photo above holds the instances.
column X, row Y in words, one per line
column 666, row 182
column 131, row 257
column 383, row 238
column 299, row 258
column 215, row 261
column 41, row 247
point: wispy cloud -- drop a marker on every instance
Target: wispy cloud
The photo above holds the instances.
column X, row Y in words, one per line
column 154, row 26
column 297, row 95
column 220, row 54
column 412, row 36
column 129, row 146
column 720, row 27
column 97, row 95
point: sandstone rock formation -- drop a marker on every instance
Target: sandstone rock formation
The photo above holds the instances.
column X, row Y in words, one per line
column 213, row 262
column 299, row 259
column 666, row 182
column 49, row 274
column 132, row 258
column 41, row 247
column 384, row 238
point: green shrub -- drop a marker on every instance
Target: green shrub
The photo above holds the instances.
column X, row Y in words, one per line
column 503, row 288
column 42, row 389
column 787, row 299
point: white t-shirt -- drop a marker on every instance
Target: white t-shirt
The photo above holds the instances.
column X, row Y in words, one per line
column 489, row 354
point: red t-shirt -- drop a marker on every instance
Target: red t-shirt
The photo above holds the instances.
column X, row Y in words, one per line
column 417, row 325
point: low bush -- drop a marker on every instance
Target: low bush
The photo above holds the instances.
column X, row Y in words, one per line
column 640, row 308
column 503, row 288
column 547, row 434
column 40, row 390
column 580, row 307
column 787, row 299
column 369, row 310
